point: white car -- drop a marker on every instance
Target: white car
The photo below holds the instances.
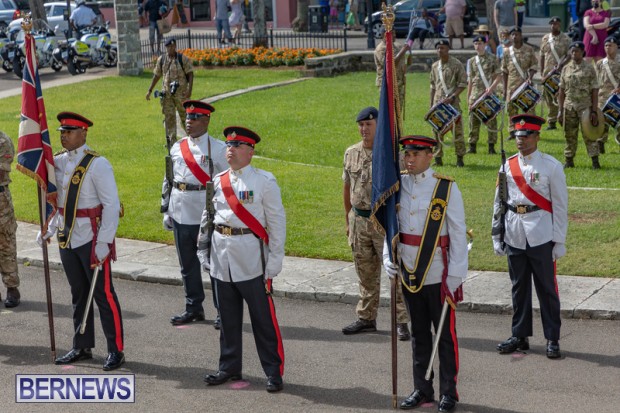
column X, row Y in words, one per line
column 55, row 17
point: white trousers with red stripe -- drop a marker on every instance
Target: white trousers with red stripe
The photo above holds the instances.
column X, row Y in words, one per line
column 76, row 263
column 231, row 296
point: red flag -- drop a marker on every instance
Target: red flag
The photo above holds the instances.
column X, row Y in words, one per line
column 34, row 151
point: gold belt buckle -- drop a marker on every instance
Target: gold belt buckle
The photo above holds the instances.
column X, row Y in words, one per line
column 227, row 231
column 521, row 209
column 182, row 186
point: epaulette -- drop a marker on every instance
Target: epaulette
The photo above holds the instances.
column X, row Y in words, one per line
column 89, row 152
column 440, row 176
column 60, row 152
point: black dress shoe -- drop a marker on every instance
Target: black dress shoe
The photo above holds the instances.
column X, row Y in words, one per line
column 74, row 355
column 553, row 349
column 220, row 378
column 12, row 297
column 447, row 403
column 114, row 360
column 513, row 344
column 360, row 326
column 217, row 323
column 187, row 317
column 414, row 400
column 274, row 384
column 402, row 330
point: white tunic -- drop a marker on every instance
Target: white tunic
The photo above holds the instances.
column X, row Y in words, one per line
column 98, row 188
column 545, row 175
column 415, row 198
column 186, row 206
column 237, row 257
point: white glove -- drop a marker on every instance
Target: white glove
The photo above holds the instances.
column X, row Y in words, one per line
column 390, row 268
column 497, row 247
column 559, row 250
column 453, row 283
column 102, row 249
column 270, row 276
column 45, row 237
column 204, row 262
column 167, row 222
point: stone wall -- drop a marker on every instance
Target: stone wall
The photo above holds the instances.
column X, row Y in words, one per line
column 128, row 29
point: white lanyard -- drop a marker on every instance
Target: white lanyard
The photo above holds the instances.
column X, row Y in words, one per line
column 611, row 75
column 482, row 76
column 442, row 80
column 555, row 54
column 511, row 52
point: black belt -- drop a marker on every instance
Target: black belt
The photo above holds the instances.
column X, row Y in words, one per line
column 361, row 212
column 522, row 209
column 226, row 230
column 3, row 188
column 182, row 186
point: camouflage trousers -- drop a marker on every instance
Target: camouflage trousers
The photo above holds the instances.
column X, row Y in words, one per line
column 474, row 129
column 8, row 246
column 572, row 125
column 552, row 104
column 458, row 137
column 170, row 106
column 367, row 246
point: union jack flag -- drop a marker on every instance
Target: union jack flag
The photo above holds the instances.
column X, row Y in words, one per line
column 34, row 151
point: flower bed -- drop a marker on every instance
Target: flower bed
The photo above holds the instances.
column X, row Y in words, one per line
column 258, row 56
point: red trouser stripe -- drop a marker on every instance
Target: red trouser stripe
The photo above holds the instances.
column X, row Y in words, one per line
column 108, row 293
column 455, row 341
column 272, row 310
column 555, row 279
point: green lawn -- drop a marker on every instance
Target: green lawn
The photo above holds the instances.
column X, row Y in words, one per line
column 305, row 129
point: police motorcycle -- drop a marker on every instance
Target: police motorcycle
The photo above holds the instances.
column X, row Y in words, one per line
column 8, row 45
column 45, row 40
column 4, row 39
column 93, row 48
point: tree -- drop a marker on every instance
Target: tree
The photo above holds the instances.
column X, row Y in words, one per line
column 37, row 10
column 260, row 30
column 490, row 7
column 300, row 23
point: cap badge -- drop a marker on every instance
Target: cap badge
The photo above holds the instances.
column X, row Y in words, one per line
column 233, row 135
column 191, row 107
column 370, row 116
column 522, row 122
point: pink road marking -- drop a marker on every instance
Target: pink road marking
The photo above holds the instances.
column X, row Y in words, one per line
column 241, row 384
column 67, row 367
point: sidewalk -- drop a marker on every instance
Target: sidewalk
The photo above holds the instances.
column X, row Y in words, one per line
column 336, row 281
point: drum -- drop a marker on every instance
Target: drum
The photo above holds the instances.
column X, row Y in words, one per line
column 552, row 83
column 442, row 117
column 525, row 97
column 487, row 107
column 611, row 111
column 590, row 132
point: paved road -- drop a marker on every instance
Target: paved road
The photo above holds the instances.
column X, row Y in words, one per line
column 325, row 371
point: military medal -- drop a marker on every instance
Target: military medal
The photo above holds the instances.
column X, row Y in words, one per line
column 535, row 178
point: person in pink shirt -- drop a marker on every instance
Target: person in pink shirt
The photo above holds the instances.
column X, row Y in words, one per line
column 455, row 11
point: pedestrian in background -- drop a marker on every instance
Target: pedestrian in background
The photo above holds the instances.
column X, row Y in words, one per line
column 153, row 7
column 8, row 226
column 535, row 222
column 246, row 254
column 365, row 240
column 455, row 12
column 505, row 15
column 236, row 19
column 520, row 4
column 221, row 21
column 595, row 22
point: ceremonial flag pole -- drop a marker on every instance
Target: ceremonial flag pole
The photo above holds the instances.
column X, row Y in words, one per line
column 35, row 157
column 386, row 173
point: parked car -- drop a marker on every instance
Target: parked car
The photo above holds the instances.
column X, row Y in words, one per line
column 10, row 10
column 55, row 15
column 404, row 8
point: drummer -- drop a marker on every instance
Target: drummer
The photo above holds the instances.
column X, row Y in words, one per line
column 553, row 55
column 483, row 75
column 578, row 93
column 608, row 70
column 448, row 80
column 518, row 67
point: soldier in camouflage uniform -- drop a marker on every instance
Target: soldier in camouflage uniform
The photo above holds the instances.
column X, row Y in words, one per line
column 400, row 62
column 8, row 225
column 365, row 240
column 454, row 77
column 515, row 76
column 173, row 67
column 480, row 84
column 578, row 92
column 608, row 70
column 553, row 51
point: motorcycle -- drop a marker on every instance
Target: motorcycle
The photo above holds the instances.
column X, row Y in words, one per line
column 7, row 49
column 45, row 40
column 94, row 48
column 4, row 39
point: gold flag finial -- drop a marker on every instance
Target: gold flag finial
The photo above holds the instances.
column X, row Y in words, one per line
column 387, row 17
column 27, row 23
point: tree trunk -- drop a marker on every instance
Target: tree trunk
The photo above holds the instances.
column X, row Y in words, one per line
column 260, row 30
column 300, row 23
column 490, row 5
column 37, row 11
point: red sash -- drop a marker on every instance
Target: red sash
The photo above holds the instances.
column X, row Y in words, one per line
column 531, row 194
column 190, row 161
column 244, row 215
